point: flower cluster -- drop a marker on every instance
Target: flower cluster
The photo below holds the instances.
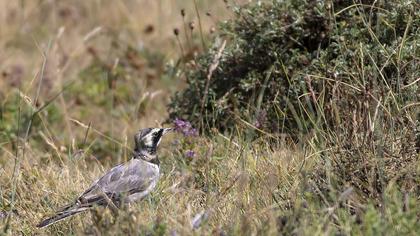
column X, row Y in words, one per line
column 185, row 128
column 190, row 153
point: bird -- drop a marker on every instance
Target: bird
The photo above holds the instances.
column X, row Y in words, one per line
column 123, row 184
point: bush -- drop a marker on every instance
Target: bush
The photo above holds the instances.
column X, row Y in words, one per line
column 291, row 66
column 345, row 72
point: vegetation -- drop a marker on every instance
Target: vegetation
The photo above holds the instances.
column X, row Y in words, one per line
column 292, row 117
column 339, row 77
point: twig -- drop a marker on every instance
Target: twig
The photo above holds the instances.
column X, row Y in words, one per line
column 184, row 25
column 199, row 24
column 311, row 90
column 410, row 84
column 212, row 68
column 81, row 124
column 86, row 134
column 176, row 33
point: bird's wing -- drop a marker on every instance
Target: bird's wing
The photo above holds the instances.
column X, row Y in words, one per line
column 135, row 176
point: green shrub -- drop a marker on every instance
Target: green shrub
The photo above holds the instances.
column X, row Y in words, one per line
column 291, row 66
column 341, row 74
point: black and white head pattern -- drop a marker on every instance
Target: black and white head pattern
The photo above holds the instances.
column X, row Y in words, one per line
column 147, row 140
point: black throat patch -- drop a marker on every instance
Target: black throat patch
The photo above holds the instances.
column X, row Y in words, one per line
column 157, row 136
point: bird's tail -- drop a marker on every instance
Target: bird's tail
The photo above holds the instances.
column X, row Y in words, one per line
column 59, row 216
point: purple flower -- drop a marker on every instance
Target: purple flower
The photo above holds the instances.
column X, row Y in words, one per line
column 185, row 128
column 190, row 153
column 191, row 132
column 261, row 119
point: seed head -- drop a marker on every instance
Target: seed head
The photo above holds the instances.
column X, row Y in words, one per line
column 212, row 30
column 192, row 25
column 149, row 29
column 176, row 31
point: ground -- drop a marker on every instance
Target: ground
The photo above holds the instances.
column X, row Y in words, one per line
column 79, row 79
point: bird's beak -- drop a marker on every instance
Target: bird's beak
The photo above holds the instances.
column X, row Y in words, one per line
column 166, row 130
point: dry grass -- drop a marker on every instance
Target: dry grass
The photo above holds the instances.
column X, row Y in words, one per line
column 72, row 143
column 85, row 76
column 236, row 182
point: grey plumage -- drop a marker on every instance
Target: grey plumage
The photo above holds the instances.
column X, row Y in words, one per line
column 125, row 183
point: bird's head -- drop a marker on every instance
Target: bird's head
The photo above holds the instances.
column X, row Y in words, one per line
column 147, row 141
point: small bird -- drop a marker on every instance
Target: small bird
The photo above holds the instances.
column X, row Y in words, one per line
column 125, row 183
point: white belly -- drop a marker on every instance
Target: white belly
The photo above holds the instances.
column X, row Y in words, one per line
column 140, row 195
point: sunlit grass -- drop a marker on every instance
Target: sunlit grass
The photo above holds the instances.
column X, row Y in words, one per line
column 78, row 80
